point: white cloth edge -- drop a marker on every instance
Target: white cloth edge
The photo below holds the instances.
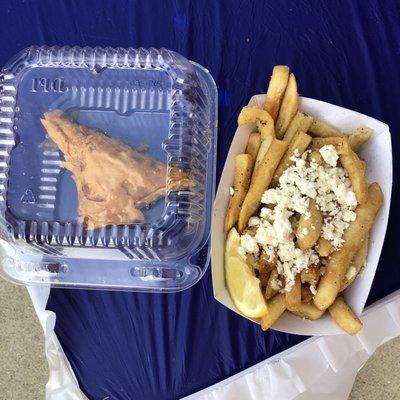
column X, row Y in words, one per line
column 322, row 367
column 62, row 384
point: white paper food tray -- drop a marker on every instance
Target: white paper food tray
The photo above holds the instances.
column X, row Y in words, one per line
column 378, row 154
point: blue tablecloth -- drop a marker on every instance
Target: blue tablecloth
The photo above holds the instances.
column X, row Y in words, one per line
column 138, row 346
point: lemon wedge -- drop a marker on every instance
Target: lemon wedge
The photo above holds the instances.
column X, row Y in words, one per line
column 244, row 288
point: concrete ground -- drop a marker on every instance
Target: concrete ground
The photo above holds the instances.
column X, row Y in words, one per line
column 23, row 366
column 24, row 372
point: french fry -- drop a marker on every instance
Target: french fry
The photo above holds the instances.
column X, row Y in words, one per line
column 311, row 275
column 330, row 283
column 309, row 229
column 356, row 171
column 293, row 297
column 253, row 145
column 308, row 311
column 306, row 294
column 271, row 289
column 252, row 261
column 258, row 116
column 323, row 129
column 359, row 137
column 300, row 143
column 265, row 266
column 354, row 237
column 260, row 181
column 357, row 264
column 243, row 169
column 363, row 164
column 324, row 247
column 268, row 264
column 300, row 123
column 276, row 89
column 262, row 151
column 344, row 317
column 289, row 107
column 276, row 307
column 250, row 115
column 341, row 144
column 315, row 157
column 266, row 129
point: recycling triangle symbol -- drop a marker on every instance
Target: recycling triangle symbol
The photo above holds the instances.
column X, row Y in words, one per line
column 28, row 197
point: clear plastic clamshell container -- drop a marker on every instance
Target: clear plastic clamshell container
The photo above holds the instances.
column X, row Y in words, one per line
column 147, row 124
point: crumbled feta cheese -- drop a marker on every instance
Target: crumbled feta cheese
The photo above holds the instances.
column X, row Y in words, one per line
column 242, row 251
column 282, row 226
column 331, row 189
column 275, row 284
column 329, row 154
column 266, row 213
column 328, row 185
column 351, row 273
column 292, row 261
column 231, row 191
column 270, row 252
column 249, row 243
column 344, row 195
column 348, row 216
column 332, row 230
column 313, row 290
column 266, row 235
column 270, row 197
column 254, row 221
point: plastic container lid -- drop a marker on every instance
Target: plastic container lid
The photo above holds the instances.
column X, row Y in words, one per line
column 146, row 123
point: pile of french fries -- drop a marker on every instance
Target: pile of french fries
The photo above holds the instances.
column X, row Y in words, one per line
column 283, row 130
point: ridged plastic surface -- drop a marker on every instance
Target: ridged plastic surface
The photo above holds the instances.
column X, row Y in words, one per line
column 151, row 97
